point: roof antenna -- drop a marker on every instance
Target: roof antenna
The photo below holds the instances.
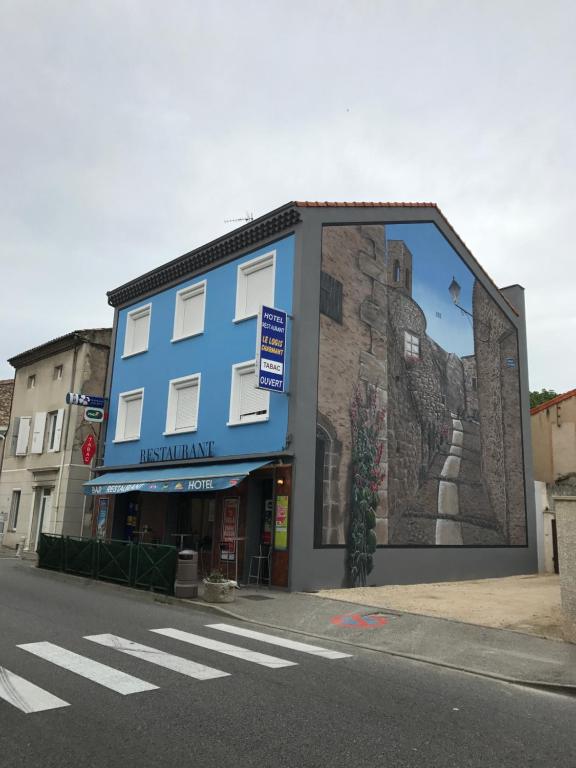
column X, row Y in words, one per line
column 248, row 217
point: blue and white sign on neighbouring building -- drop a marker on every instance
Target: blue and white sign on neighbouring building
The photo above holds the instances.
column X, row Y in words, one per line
column 95, row 401
column 271, row 349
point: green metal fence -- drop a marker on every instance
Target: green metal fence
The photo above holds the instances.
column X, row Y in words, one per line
column 147, row 566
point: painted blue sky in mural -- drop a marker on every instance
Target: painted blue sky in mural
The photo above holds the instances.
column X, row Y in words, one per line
column 434, row 263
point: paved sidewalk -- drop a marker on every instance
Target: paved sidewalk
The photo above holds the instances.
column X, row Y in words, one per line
column 12, row 553
column 528, row 603
column 497, row 653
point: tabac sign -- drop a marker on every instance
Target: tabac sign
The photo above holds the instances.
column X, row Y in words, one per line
column 271, row 349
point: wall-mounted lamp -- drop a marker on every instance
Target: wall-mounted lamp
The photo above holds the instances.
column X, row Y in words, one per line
column 455, row 290
column 280, row 481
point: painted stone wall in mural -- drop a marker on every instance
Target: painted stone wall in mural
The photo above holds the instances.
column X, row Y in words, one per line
column 419, row 424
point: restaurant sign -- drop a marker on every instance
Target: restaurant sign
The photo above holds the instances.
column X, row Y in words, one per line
column 203, row 450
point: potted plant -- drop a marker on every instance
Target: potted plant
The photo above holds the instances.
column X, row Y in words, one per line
column 218, row 588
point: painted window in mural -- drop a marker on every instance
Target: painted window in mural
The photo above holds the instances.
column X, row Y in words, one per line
column 419, row 418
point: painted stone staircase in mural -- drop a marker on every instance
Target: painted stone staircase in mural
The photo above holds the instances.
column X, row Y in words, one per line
column 452, row 506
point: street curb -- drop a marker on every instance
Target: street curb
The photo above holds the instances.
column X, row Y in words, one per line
column 565, row 689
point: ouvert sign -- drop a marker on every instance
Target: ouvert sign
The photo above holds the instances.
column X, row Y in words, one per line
column 202, row 450
column 271, row 349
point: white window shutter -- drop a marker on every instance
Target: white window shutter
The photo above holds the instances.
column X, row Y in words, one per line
column 192, row 314
column 140, row 333
column 23, row 435
column 38, row 432
column 58, row 430
column 259, row 288
column 132, row 418
column 186, row 406
column 252, row 400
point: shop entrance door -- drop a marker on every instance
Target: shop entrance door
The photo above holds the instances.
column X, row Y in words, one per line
column 41, row 521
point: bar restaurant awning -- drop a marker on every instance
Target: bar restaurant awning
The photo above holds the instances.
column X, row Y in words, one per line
column 206, row 477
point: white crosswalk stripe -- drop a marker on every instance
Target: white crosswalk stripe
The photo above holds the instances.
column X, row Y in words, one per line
column 230, row 650
column 26, row 696
column 29, row 698
column 160, row 658
column 315, row 650
column 88, row 668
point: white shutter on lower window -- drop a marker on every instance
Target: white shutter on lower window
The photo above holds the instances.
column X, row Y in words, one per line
column 38, row 432
column 186, row 406
column 133, row 412
column 23, row 435
column 58, row 429
column 253, row 402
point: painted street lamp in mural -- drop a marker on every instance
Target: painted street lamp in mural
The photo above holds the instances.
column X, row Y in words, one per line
column 454, row 290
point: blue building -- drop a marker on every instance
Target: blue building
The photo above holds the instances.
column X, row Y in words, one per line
column 358, row 470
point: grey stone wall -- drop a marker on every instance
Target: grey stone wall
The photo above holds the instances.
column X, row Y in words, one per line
column 496, row 348
column 331, row 504
column 566, row 526
column 405, row 436
column 470, row 385
column 353, row 255
column 398, row 266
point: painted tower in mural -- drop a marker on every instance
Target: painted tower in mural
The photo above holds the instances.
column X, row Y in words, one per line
column 417, row 397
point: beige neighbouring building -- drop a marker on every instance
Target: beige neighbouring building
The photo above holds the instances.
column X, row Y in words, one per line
column 553, row 426
column 43, row 471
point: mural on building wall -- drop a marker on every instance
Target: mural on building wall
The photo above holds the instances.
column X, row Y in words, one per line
column 418, row 429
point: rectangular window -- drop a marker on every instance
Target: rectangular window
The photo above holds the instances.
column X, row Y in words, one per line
column 411, row 346
column 189, row 312
column 129, row 415
column 54, row 430
column 331, row 297
column 58, row 371
column 14, row 509
column 183, row 400
column 31, row 381
column 137, row 331
column 247, row 404
column 255, row 285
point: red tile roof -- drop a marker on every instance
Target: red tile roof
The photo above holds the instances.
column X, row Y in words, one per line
column 554, row 401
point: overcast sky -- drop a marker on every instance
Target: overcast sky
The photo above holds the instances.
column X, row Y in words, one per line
column 131, row 129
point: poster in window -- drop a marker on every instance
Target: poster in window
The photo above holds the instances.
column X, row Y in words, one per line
column 281, row 523
column 102, row 518
column 229, row 529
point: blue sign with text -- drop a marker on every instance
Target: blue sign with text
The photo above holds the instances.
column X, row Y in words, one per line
column 94, row 401
column 271, row 349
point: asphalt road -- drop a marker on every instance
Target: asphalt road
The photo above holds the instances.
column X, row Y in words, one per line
column 369, row 709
